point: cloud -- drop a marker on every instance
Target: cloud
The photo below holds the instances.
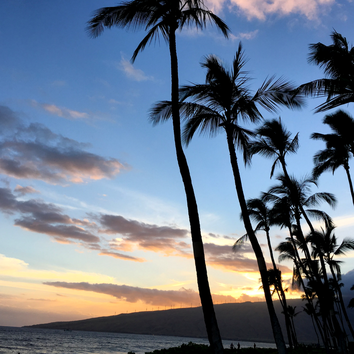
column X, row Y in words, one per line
column 260, row 9
column 17, row 270
column 223, row 257
column 133, row 294
column 35, row 152
column 60, row 111
column 133, row 233
column 136, row 74
column 246, row 298
column 37, row 216
column 45, row 218
column 121, row 256
column 9, row 120
column 21, row 191
column 244, row 36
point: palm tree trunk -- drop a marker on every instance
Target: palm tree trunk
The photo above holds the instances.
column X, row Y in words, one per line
column 283, row 164
column 297, row 262
column 198, row 248
column 281, row 294
column 277, row 332
column 344, row 310
column 346, row 167
column 322, row 296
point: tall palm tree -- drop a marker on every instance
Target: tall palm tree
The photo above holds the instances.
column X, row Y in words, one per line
column 339, row 146
column 337, row 60
column 222, row 102
column 164, row 18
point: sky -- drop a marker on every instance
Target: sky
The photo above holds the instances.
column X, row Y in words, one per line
column 92, row 207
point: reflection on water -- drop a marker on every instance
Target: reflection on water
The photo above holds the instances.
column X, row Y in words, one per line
column 42, row 341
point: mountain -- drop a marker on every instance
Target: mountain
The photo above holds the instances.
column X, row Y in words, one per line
column 246, row 321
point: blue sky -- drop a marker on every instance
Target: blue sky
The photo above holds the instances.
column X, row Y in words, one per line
column 93, row 211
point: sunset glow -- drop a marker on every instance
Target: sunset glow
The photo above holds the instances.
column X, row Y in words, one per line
column 92, row 206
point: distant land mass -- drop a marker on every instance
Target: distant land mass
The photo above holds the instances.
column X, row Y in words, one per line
column 248, row 321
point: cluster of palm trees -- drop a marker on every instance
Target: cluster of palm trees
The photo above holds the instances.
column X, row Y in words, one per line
column 223, row 102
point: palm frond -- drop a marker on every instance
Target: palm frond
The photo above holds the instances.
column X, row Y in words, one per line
column 239, row 242
column 160, row 112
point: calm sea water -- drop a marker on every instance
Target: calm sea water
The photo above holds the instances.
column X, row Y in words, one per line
column 44, row 341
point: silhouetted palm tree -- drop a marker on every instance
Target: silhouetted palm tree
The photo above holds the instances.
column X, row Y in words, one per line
column 259, row 212
column 337, row 60
column 222, row 102
column 351, row 302
column 324, row 245
column 274, row 141
column 291, row 310
column 297, row 193
column 164, row 17
column 309, row 310
column 339, row 146
column 288, row 250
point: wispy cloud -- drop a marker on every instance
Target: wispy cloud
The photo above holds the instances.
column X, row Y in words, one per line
column 60, row 111
column 122, row 256
column 223, row 257
column 133, row 294
column 260, row 9
column 244, row 36
column 131, row 72
column 21, row 191
column 35, row 152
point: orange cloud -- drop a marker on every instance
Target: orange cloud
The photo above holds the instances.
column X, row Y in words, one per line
column 224, row 258
column 121, row 256
column 133, row 294
column 164, row 239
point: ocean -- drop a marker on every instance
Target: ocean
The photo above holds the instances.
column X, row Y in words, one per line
column 15, row 340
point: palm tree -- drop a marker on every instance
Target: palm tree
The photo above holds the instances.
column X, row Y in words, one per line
column 259, row 212
column 274, row 141
column 337, row 60
column 222, row 102
column 164, row 17
column 351, row 302
column 309, row 310
column 325, row 246
column 297, row 195
column 292, row 314
column 339, row 146
column 288, row 250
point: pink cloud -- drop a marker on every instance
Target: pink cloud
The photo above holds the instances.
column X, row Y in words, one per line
column 132, row 233
column 260, row 9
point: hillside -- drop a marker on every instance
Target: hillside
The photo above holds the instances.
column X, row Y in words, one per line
column 238, row 321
